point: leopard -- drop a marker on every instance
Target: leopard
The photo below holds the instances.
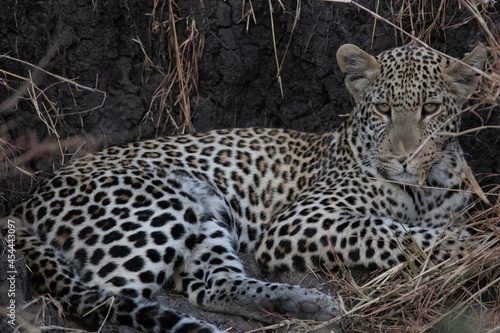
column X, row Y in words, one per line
column 106, row 232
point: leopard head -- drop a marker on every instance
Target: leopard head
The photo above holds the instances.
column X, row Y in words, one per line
column 406, row 100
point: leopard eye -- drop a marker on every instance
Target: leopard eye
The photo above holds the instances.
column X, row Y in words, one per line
column 383, row 108
column 430, row 108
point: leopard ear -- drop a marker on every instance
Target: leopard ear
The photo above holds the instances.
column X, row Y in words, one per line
column 360, row 68
column 463, row 75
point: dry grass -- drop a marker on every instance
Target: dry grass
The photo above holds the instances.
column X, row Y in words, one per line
column 181, row 76
column 279, row 63
column 15, row 154
column 455, row 293
column 38, row 310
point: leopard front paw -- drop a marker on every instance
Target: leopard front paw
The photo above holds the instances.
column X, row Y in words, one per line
column 311, row 304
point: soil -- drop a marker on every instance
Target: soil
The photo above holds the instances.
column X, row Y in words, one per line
column 119, row 52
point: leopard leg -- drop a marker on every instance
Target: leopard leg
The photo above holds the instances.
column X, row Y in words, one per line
column 219, row 284
column 372, row 242
column 53, row 273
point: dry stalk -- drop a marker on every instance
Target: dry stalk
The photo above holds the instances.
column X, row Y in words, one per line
column 46, row 110
column 278, row 76
column 9, row 157
column 246, row 15
column 30, row 82
column 279, row 64
column 398, row 300
column 181, row 76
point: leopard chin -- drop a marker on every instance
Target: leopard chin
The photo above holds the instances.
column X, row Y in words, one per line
column 408, row 178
